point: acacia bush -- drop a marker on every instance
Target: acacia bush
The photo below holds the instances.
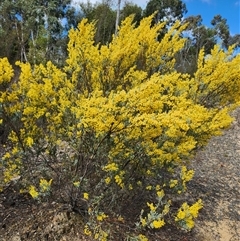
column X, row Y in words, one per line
column 112, row 132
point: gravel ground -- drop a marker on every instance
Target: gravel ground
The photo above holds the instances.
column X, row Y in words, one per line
column 217, row 182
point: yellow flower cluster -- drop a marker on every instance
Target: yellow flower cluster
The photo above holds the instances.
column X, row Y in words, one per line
column 186, row 176
column 13, row 166
column 76, row 184
column 6, row 71
column 160, row 194
column 101, row 216
column 86, row 195
column 119, row 179
column 29, row 141
column 186, row 214
column 87, row 230
column 157, row 223
column 217, row 70
column 173, row 183
column 101, row 235
column 107, row 180
column 151, row 206
column 142, row 237
column 155, row 218
column 44, row 188
column 33, row 192
column 111, row 167
column 44, row 185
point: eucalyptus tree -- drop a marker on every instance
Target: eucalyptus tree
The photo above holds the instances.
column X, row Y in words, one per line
column 9, row 44
column 200, row 37
column 104, row 17
column 223, row 32
column 222, row 29
column 197, row 36
column 36, row 29
column 167, row 10
column 130, row 8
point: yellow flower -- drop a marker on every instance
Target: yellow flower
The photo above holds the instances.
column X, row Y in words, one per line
column 96, row 236
column 111, row 167
column 22, row 191
column 29, row 141
column 186, row 175
column 149, row 172
column 119, row 181
column 151, row 206
column 181, row 215
column 143, row 222
column 101, row 216
column 76, row 184
column 85, row 195
column 173, row 183
column 120, row 218
column 142, row 237
column 33, row 192
column 194, row 209
column 103, row 235
column 107, row 180
column 45, row 185
column 87, row 231
column 189, row 222
column 158, row 223
column 166, row 209
column 7, row 155
column 187, row 213
column 160, row 194
column 15, row 150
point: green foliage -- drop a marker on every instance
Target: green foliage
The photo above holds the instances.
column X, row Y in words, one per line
column 105, row 18
column 167, row 10
column 114, row 130
column 31, row 31
column 129, row 9
column 202, row 37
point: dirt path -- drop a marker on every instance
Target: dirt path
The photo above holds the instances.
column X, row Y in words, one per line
column 217, row 182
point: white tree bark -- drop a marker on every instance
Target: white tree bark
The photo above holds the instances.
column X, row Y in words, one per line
column 118, row 16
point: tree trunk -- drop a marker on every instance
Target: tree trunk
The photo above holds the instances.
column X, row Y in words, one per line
column 118, row 16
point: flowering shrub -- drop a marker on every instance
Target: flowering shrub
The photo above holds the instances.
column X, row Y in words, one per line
column 186, row 214
column 44, row 189
column 115, row 123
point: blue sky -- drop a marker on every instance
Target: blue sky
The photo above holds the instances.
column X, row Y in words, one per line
column 229, row 9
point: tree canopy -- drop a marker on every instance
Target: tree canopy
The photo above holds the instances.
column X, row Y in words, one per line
column 37, row 31
column 33, row 31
